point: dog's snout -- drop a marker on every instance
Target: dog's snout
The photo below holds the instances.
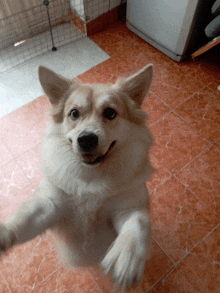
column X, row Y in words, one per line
column 87, row 141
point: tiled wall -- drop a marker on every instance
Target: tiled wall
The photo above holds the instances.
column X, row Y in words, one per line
column 95, row 15
column 89, row 10
column 95, row 8
column 32, row 26
column 77, row 7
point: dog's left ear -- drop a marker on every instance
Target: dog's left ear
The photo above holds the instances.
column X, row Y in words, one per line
column 54, row 85
column 137, row 85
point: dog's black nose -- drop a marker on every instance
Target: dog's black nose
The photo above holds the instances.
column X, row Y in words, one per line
column 87, row 141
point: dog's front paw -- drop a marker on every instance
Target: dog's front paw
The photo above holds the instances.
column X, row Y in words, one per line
column 7, row 238
column 126, row 260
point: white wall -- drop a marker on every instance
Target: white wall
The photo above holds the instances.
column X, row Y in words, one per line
column 95, row 8
column 78, row 6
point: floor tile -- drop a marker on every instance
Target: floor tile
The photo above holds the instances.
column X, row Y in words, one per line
column 179, row 219
column 159, row 60
column 12, row 176
column 160, row 174
column 173, row 85
column 4, row 288
column 202, row 266
column 117, row 38
column 8, row 170
column 26, row 266
column 202, row 111
column 158, row 266
column 215, row 87
column 175, row 143
column 106, row 72
column 193, row 68
column 14, row 189
column 109, row 41
column 106, row 284
column 30, row 164
column 5, row 155
column 28, row 115
column 217, row 143
column 12, row 197
column 154, row 107
column 24, row 137
column 120, row 65
column 201, row 176
column 174, row 282
column 66, row 280
column 22, row 129
column 210, row 64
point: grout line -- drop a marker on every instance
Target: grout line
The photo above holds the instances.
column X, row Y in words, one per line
column 167, row 105
column 192, row 128
column 196, row 92
column 199, row 242
column 164, row 103
column 205, row 148
column 203, row 203
column 3, row 142
column 202, row 239
column 97, row 284
column 153, row 287
column 199, row 133
column 218, row 147
column 163, row 250
column 6, row 145
column 180, row 271
column 198, row 155
column 161, row 118
column 175, row 265
column 172, row 110
column 45, row 280
column 160, row 185
column 189, row 124
column 190, row 284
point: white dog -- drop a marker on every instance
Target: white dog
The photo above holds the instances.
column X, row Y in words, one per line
column 95, row 162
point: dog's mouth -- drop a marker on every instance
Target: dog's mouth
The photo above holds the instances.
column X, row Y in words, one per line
column 91, row 159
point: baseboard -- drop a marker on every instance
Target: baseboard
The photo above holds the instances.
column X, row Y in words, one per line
column 78, row 22
column 100, row 23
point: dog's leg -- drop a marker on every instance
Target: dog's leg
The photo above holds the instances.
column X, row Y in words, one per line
column 126, row 257
column 33, row 218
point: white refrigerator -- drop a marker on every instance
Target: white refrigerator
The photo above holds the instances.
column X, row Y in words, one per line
column 175, row 27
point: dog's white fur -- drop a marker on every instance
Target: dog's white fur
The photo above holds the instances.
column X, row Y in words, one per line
column 98, row 213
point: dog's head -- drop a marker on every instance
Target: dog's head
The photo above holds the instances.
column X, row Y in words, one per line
column 96, row 118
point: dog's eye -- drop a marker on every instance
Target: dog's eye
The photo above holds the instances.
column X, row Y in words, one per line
column 109, row 113
column 74, row 114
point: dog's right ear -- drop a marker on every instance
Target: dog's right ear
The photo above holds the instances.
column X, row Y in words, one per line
column 54, row 85
column 137, row 85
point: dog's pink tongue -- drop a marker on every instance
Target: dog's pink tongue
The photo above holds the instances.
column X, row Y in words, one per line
column 89, row 158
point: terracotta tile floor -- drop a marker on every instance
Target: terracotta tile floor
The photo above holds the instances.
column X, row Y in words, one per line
column 184, row 117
